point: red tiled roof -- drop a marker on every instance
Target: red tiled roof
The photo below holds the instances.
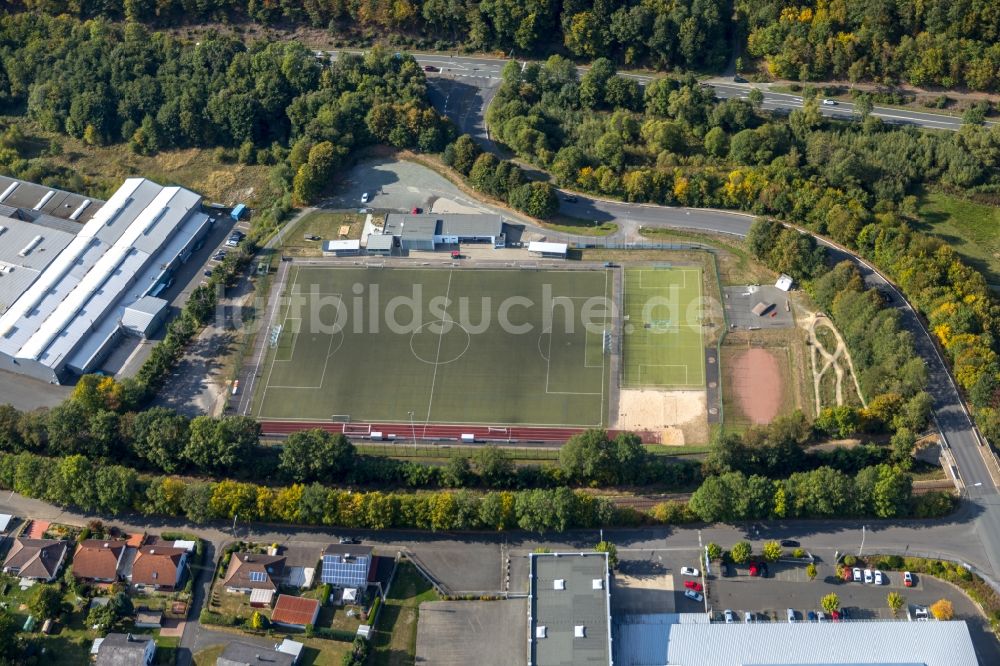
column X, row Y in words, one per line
column 156, row 565
column 295, row 610
column 135, row 540
column 97, row 559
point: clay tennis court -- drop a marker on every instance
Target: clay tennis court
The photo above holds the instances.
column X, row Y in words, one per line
column 755, row 382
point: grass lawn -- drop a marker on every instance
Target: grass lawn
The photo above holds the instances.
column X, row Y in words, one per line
column 663, row 346
column 443, row 346
column 395, row 640
column 573, row 225
column 208, row 656
column 972, row 229
column 326, row 225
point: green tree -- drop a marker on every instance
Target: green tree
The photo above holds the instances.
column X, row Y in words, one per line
column 220, row 445
column 463, row 155
column 716, row 142
column 316, row 455
column 157, row 435
column 44, row 602
column 771, row 551
column 8, row 636
column 457, row 472
column 741, row 552
column 756, row 97
column 895, row 601
column 494, row 466
column 830, row 603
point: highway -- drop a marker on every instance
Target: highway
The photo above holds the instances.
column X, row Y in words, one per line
column 484, row 73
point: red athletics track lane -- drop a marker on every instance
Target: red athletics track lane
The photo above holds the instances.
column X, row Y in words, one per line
column 403, row 431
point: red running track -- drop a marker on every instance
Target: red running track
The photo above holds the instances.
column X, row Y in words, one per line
column 403, row 431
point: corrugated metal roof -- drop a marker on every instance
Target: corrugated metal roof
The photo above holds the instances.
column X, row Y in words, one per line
column 379, row 242
column 22, row 194
column 783, row 644
column 470, row 225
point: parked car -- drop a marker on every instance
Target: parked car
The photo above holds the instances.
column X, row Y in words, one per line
column 868, row 576
column 754, row 569
column 207, row 273
column 920, row 613
column 366, row 197
column 878, row 577
column 764, row 570
column 311, row 237
column 857, row 574
column 431, row 68
column 569, row 198
column 791, row 616
column 789, row 543
column 842, row 614
column 820, row 616
column 811, row 616
column 729, row 616
column 690, row 571
column 693, row 585
column 836, row 615
column 748, row 617
column 350, row 540
column 416, row 210
column 907, row 579
column 219, row 255
column 693, row 596
column 829, row 102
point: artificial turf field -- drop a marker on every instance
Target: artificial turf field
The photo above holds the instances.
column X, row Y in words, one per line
column 662, row 344
column 468, row 369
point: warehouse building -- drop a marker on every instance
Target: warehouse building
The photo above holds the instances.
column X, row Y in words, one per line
column 689, row 639
column 428, row 231
column 77, row 278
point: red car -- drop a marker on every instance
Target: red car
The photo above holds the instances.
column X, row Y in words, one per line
column 754, row 571
column 693, row 585
column 835, row 615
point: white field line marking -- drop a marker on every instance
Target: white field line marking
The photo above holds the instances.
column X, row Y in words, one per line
column 437, row 358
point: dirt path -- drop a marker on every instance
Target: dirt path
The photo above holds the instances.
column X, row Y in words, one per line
column 830, row 360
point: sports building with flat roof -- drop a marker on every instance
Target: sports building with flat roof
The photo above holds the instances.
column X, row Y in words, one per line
column 427, row 231
column 569, row 609
column 63, row 310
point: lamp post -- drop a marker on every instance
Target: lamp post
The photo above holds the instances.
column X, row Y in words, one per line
column 413, row 433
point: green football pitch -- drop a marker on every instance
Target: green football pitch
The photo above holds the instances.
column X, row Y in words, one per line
column 518, row 347
column 662, row 339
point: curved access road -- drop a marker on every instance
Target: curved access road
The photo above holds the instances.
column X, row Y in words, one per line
column 973, row 458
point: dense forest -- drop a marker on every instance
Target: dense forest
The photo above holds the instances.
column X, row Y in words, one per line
column 949, row 43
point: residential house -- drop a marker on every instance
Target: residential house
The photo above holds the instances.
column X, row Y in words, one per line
column 125, row 650
column 254, row 571
column 295, row 612
column 158, row 568
column 37, row 559
column 346, row 565
column 239, row 653
column 98, row 560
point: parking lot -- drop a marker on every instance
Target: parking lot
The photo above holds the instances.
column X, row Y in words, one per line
column 788, row 586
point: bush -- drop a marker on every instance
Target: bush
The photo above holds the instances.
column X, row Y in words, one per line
column 942, row 609
column 373, row 611
column 714, row 551
column 850, row 560
column 772, row 551
column 741, row 552
column 334, row 634
column 799, row 553
column 210, row 617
